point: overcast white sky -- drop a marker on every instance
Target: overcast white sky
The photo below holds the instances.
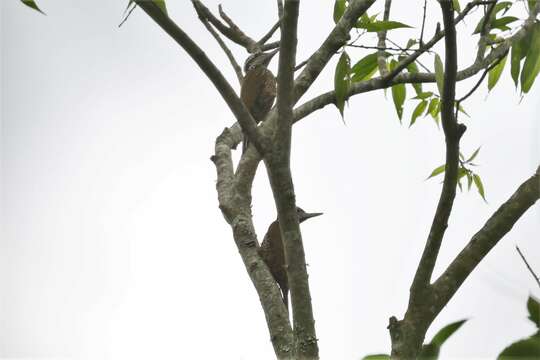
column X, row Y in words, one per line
column 112, row 245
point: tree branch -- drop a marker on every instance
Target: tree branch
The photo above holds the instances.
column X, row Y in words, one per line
column 381, row 58
column 395, row 77
column 498, row 225
column 452, row 134
column 211, row 71
column 237, row 68
column 531, row 271
column 278, row 166
column 235, row 206
column 269, row 34
column 336, row 39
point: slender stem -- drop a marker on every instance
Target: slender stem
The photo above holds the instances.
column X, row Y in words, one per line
column 536, row 278
column 237, row 69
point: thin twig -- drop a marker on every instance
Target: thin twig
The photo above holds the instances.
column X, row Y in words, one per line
column 128, row 14
column 452, row 134
column 269, row 34
column 226, row 50
column 301, row 65
column 423, row 25
column 528, row 266
column 475, row 87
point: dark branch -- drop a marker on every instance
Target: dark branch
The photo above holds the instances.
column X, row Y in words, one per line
column 452, row 134
column 533, row 274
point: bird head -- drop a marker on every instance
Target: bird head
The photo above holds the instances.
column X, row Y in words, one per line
column 259, row 59
column 303, row 216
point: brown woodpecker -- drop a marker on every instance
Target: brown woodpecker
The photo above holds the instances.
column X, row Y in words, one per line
column 258, row 87
column 271, row 251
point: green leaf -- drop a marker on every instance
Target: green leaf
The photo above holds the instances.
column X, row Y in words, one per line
column 502, row 23
column 423, row 95
column 410, row 43
column 413, row 69
column 462, row 110
column 418, row 110
column 438, row 170
column 455, row 4
column 469, row 181
column 376, row 357
column 32, row 4
column 473, row 156
column 161, row 5
column 376, row 26
column 495, row 73
column 339, row 9
column 531, row 67
column 364, row 68
column 342, row 81
column 515, row 61
column 479, row 186
column 533, row 306
column 398, row 95
column 447, row 331
column 434, row 107
column 527, row 349
column 439, row 73
column 503, row 5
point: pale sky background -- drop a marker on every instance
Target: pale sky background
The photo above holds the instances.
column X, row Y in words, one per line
column 113, row 247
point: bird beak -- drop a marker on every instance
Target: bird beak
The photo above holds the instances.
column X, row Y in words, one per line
column 268, row 56
column 310, row 215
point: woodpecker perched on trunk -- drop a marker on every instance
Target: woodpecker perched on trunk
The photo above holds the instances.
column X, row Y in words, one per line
column 258, row 87
column 271, row 251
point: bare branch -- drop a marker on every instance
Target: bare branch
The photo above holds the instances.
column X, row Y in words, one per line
column 234, row 202
column 498, row 225
column 226, row 50
column 475, row 87
column 484, row 32
column 452, row 133
column 278, row 166
column 269, row 34
column 536, row 278
column 423, row 24
column 232, row 32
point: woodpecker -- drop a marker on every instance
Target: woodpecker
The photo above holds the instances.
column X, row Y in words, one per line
column 259, row 87
column 271, row 251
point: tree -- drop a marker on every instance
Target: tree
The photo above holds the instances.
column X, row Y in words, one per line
column 272, row 145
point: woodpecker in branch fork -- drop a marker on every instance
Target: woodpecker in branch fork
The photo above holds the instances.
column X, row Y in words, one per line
column 258, row 87
column 271, row 251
